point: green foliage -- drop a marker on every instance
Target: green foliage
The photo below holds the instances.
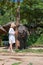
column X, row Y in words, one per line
column 7, row 13
column 32, row 39
column 1, row 44
column 32, row 11
column 35, row 40
column 30, row 64
column 39, row 41
column 30, row 50
column 16, row 63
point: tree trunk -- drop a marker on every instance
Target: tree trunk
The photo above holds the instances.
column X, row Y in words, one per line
column 17, row 22
column 18, row 13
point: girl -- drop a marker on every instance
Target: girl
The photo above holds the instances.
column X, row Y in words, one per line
column 11, row 36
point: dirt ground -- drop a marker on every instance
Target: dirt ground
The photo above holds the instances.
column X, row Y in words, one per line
column 7, row 58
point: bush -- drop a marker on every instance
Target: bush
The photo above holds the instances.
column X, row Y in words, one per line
column 32, row 39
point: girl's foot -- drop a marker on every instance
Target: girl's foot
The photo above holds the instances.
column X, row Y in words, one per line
column 8, row 49
column 12, row 51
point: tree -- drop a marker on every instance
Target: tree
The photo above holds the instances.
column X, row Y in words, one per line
column 7, row 13
column 18, row 13
column 32, row 11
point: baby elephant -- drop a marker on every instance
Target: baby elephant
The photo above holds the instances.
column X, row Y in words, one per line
column 22, row 37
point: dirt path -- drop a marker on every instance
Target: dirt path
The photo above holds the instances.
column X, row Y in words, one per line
column 7, row 58
column 24, row 58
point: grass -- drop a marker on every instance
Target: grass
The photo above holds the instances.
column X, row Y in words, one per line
column 4, row 50
column 16, row 63
column 30, row 50
column 30, row 64
column 24, row 50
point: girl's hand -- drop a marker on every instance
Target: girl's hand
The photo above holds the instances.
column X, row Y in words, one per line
column 16, row 32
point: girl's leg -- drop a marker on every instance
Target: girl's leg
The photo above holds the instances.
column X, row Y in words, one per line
column 11, row 47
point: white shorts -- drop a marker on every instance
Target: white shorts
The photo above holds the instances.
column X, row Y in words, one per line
column 11, row 40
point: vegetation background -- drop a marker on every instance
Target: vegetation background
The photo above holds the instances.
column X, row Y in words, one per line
column 31, row 15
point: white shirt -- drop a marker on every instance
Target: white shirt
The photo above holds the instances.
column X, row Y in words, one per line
column 11, row 35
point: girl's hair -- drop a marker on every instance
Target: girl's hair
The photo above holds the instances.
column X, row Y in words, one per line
column 13, row 24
